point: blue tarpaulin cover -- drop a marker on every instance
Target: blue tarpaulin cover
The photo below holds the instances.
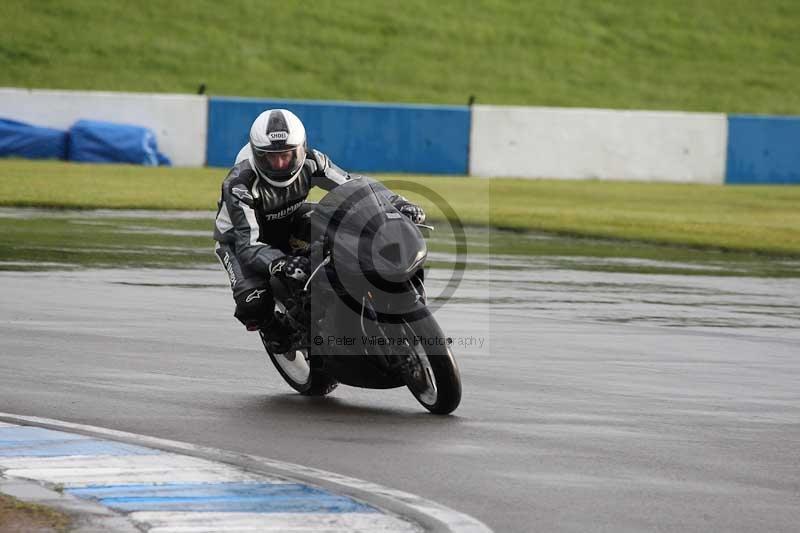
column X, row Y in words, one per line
column 18, row 139
column 107, row 142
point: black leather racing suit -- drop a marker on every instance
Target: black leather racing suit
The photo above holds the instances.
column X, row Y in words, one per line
column 256, row 221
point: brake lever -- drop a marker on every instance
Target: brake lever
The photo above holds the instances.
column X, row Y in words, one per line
column 322, row 264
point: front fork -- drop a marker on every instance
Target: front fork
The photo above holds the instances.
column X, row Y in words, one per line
column 399, row 354
column 390, row 355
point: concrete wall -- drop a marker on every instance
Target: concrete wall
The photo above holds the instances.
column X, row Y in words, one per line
column 357, row 136
column 494, row 141
column 598, row 143
column 179, row 121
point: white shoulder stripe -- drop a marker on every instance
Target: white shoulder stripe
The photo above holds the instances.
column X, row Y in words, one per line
column 250, row 214
column 224, row 219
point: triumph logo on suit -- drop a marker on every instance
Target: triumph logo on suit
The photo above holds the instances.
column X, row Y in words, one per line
column 283, row 213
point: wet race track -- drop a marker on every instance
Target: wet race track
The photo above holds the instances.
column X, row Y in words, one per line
column 595, row 399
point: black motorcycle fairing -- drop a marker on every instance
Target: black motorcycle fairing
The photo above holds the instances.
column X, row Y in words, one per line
column 373, row 249
column 365, row 232
column 369, row 286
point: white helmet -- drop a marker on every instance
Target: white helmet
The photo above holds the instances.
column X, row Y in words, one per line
column 278, row 144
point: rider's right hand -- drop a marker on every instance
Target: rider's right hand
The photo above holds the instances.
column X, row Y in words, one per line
column 291, row 267
column 414, row 212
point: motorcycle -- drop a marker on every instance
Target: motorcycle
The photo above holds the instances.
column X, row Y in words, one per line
column 361, row 318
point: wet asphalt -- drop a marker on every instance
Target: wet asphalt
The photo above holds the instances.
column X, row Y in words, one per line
column 592, row 401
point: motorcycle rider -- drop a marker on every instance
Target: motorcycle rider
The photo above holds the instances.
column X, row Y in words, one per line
column 262, row 224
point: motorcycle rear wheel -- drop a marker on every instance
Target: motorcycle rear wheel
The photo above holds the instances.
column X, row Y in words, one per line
column 296, row 370
column 436, row 381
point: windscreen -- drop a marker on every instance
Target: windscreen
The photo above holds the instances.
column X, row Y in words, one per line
column 350, row 207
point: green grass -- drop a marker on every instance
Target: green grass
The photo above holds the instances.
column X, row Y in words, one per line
column 88, row 186
column 762, row 219
column 16, row 515
column 758, row 218
column 713, row 55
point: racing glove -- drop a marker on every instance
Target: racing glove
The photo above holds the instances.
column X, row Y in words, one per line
column 291, row 267
column 413, row 212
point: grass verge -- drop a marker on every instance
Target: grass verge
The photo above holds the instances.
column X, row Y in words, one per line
column 763, row 219
column 19, row 516
column 714, row 55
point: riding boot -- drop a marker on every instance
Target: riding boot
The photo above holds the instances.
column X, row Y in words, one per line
column 278, row 336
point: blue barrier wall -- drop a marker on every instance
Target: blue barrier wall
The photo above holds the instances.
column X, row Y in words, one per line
column 357, row 136
column 763, row 149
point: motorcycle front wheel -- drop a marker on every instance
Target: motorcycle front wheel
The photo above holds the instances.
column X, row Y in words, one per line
column 432, row 374
column 296, row 370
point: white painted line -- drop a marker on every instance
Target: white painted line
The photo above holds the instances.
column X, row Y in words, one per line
column 124, row 470
column 433, row 516
column 161, row 522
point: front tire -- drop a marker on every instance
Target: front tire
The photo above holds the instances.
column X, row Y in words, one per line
column 296, row 370
column 435, row 380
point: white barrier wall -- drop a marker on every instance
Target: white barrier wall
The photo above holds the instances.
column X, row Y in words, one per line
column 179, row 121
column 537, row 142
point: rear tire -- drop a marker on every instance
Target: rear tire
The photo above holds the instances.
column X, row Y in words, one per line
column 297, row 371
column 436, row 358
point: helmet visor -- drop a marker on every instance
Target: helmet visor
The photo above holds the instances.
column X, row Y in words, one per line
column 279, row 164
